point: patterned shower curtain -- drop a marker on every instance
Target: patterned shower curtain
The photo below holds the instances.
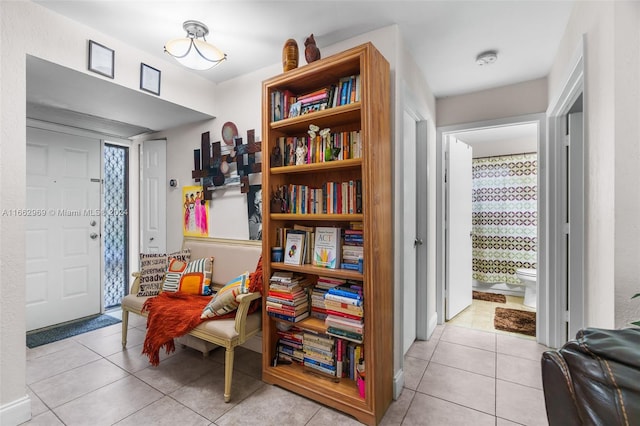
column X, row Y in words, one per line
column 504, row 217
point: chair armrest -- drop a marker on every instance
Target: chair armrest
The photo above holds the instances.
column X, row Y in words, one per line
column 135, row 286
column 241, row 314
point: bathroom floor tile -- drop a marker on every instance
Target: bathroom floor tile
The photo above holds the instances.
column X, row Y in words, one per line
column 398, row 409
column 414, row 369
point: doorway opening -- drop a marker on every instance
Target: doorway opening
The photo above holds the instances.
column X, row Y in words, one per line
column 502, row 204
column 115, row 223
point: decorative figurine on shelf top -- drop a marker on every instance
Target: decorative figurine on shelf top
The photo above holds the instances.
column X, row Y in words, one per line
column 301, row 153
column 311, row 51
column 290, row 55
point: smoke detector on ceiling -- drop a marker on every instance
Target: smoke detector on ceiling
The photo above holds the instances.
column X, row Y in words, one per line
column 487, row 58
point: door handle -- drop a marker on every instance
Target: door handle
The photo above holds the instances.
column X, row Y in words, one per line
column 417, row 242
column 93, row 235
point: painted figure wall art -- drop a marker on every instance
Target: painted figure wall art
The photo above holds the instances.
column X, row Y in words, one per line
column 195, row 212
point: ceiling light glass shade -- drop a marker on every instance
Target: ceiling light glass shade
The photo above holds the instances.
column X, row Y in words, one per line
column 192, row 52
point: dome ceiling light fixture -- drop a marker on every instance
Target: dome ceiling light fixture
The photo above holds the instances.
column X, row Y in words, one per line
column 487, row 58
column 193, row 51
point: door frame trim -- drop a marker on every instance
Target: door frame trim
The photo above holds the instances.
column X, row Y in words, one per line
column 573, row 86
column 441, row 133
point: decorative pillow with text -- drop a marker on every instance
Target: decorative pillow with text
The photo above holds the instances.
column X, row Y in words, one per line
column 153, row 266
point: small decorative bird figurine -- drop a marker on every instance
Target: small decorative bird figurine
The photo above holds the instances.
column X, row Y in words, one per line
column 311, row 51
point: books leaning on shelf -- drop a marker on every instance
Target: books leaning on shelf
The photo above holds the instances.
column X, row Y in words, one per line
column 327, row 247
column 294, row 248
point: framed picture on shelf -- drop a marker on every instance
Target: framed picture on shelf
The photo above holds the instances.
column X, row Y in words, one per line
column 149, row 79
column 294, row 109
column 101, row 59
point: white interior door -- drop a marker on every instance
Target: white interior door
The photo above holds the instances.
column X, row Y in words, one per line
column 458, row 232
column 410, row 232
column 153, row 194
column 63, row 266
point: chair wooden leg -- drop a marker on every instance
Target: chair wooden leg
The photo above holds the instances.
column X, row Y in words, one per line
column 228, row 373
column 125, row 327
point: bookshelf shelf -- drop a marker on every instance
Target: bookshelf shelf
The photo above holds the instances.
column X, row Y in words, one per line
column 354, row 163
column 315, row 270
column 369, row 116
column 332, row 117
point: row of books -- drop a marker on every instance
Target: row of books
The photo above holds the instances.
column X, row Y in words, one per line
column 332, row 356
column 353, row 250
column 337, row 146
column 285, row 104
column 331, row 198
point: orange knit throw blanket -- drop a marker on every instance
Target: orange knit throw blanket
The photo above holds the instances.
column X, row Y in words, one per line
column 170, row 315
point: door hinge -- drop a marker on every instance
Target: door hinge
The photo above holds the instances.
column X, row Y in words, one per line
column 566, row 228
column 566, row 316
column 567, row 140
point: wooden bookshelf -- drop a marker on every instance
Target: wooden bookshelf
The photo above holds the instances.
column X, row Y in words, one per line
column 371, row 117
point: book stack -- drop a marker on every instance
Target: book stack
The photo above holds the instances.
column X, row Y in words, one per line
column 345, row 312
column 287, row 297
column 290, row 346
column 319, row 352
column 318, row 308
column 353, row 250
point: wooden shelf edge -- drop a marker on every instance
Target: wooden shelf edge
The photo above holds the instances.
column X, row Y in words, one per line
column 315, row 116
column 315, row 270
column 314, row 167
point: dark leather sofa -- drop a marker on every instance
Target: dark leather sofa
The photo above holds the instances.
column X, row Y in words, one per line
column 594, row 379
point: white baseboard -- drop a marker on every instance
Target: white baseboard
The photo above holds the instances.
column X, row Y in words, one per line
column 398, row 384
column 431, row 327
column 16, row 412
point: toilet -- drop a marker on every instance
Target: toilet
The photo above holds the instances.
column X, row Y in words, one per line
column 528, row 278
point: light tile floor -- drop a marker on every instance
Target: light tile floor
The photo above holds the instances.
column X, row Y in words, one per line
column 458, row 377
column 480, row 315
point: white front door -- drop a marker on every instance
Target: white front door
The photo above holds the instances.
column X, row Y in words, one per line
column 410, row 232
column 63, row 225
column 458, row 233
column 153, row 195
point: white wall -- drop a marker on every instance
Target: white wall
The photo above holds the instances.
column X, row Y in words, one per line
column 612, row 111
column 508, row 101
column 29, row 29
